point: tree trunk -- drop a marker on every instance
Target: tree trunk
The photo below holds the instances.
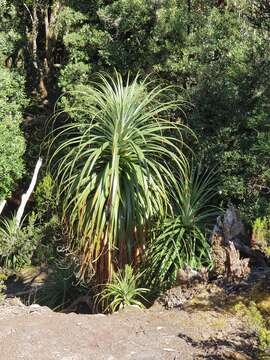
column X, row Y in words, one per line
column 26, row 196
column 236, row 268
column 189, row 16
column 46, row 24
column 2, row 205
column 34, row 36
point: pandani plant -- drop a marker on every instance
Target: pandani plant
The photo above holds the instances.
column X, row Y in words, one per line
column 115, row 168
column 181, row 239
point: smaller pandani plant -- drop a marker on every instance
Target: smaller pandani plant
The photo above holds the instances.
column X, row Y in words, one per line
column 122, row 291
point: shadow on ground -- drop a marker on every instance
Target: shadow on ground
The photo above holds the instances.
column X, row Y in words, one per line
column 222, row 348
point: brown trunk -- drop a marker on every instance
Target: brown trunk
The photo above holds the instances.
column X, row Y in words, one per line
column 46, row 24
column 50, row 20
column 51, row 36
column 43, row 59
column 221, row 3
column 189, row 13
column 42, row 85
column 34, row 36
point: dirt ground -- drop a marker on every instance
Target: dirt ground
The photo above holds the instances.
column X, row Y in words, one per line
column 38, row 333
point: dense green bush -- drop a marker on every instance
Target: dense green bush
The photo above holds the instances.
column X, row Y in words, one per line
column 45, row 203
column 17, row 243
column 12, row 145
column 231, row 112
column 12, row 102
column 3, row 278
column 50, row 239
column 148, row 35
column 261, row 234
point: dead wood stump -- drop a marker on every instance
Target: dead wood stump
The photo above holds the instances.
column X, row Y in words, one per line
column 231, row 251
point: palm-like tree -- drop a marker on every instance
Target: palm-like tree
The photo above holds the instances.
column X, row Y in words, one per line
column 115, row 168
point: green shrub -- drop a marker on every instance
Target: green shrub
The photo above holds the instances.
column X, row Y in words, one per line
column 17, row 243
column 47, row 222
column 12, row 100
column 3, row 278
column 51, row 237
column 260, row 324
column 227, row 67
column 122, row 291
column 44, row 199
column 12, row 145
column 261, row 233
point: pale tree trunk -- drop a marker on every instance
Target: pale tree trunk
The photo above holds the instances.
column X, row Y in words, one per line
column 26, row 196
column 2, row 205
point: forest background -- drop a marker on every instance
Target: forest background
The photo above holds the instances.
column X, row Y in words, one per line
column 215, row 52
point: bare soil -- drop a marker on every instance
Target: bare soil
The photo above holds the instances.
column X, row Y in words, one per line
column 38, row 333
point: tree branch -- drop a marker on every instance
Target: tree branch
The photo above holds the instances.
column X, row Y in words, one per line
column 28, row 10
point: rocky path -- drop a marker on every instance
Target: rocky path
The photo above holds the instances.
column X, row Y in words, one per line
column 37, row 333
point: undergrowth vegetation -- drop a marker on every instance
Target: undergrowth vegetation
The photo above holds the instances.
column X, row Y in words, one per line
column 61, row 287
column 259, row 321
column 17, row 243
column 261, row 233
column 3, row 277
